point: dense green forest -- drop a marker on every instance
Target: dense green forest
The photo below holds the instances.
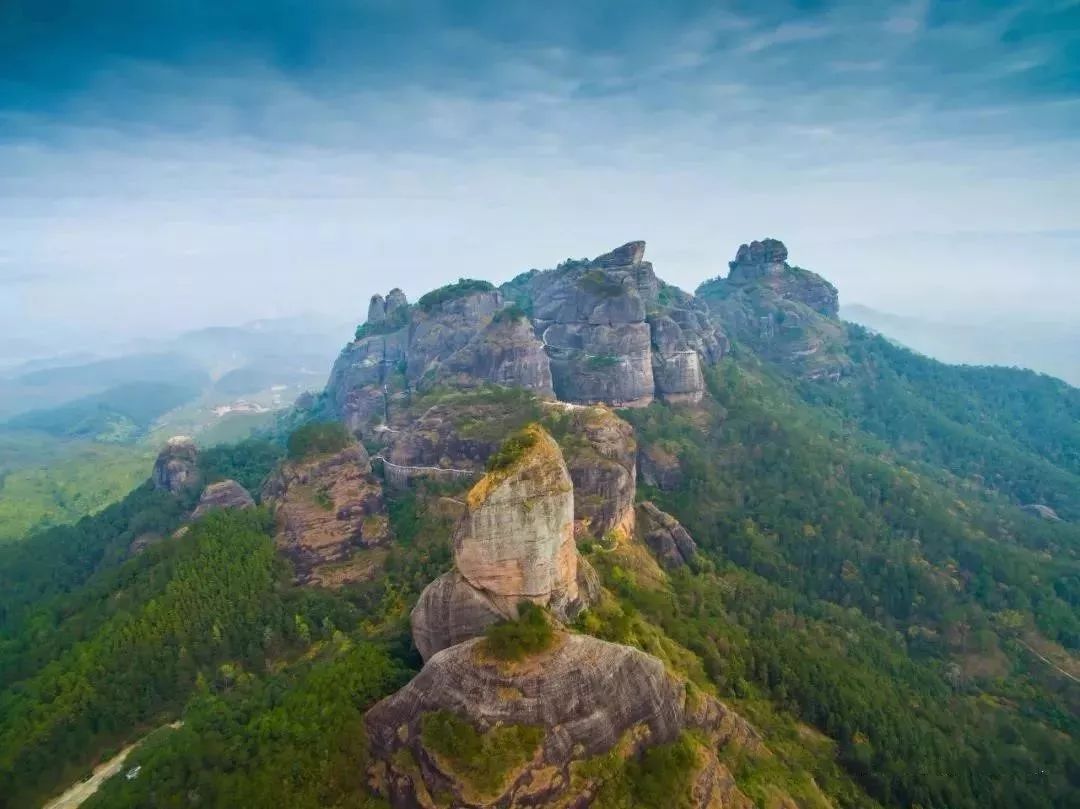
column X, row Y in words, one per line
column 866, row 592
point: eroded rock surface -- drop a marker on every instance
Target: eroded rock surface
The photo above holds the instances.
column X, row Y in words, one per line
column 326, row 508
column 515, row 542
column 601, row 455
column 176, row 465
column 223, row 494
column 586, row 695
column 665, row 536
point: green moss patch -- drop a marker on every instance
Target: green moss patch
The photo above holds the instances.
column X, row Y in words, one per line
column 483, row 762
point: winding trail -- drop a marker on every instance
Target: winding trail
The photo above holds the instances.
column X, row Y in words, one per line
column 78, row 793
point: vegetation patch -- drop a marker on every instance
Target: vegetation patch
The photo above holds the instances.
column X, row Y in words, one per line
column 318, row 438
column 530, row 634
column 513, row 449
column 599, row 362
column 510, row 314
column 461, row 289
column 598, row 282
column 485, row 762
column 662, row 776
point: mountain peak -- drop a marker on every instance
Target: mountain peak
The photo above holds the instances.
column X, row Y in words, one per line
column 628, row 255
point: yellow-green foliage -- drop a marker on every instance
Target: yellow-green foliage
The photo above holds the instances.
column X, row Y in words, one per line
column 483, row 761
column 530, row 634
column 662, row 776
column 61, row 481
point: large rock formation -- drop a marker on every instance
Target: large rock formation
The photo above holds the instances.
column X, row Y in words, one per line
column 176, row 466
column 785, row 313
column 618, row 335
column 326, row 508
column 462, row 334
column 506, row 352
column 601, row 454
column 665, row 536
column 514, row 543
column 224, row 494
column 586, row 695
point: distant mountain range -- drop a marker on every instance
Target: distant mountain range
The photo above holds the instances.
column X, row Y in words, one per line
column 1050, row 348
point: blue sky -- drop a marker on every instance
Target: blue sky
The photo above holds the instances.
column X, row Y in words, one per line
column 165, row 165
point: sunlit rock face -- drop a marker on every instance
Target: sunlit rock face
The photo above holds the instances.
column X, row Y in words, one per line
column 515, row 542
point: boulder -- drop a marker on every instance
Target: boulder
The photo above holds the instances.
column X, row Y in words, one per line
column 667, row 539
column 224, row 494
column 376, row 312
column 176, row 466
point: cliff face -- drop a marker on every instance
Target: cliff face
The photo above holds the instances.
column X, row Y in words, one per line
column 515, row 542
column 601, row 331
column 175, row 467
column 618, row 335
column 327, row 508
column 785, row 313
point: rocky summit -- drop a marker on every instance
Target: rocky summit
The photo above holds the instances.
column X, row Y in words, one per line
column 783, row 312
column 599, row 331
column 554, row 721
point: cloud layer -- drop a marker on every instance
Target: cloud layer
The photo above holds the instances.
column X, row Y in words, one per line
column 167, row 165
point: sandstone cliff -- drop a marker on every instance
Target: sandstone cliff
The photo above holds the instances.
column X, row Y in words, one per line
column 326, row 509
column 665, row 536
column 515, row 542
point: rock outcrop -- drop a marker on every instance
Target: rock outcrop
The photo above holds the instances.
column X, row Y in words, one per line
column 326, row 508
column 1039, row 510
column 223, row 494
column 785, row 313
column 176, row 467
column 660, row 466
column 601, row 456
column 514, row 543
column 505, row 352
column 585, row 694
column 665, row 536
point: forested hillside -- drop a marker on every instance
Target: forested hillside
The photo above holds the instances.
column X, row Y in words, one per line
column 871, row 559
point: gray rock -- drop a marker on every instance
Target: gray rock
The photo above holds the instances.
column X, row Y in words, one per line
column 506, row 352
column 1040, row 510
column 450, row 611
column 665, row 536
column 376, row 312
column 224, row 494
column 176, row 467
column 395, row 300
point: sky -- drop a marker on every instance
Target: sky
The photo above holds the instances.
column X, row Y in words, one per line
column 171, row 164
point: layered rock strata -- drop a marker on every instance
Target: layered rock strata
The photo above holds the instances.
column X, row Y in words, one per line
column 326, row 508
column 515, row 542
